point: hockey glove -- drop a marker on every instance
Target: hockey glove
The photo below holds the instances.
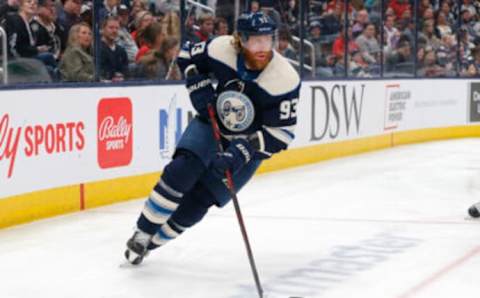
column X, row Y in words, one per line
column 201, row 93
column 234, row 158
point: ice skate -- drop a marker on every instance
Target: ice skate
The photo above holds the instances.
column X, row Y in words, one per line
column 137, row 247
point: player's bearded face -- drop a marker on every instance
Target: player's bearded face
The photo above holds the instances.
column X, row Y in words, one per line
column 258, row 51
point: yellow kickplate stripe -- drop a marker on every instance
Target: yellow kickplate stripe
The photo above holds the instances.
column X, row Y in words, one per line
column 121, row 189
column 432, row 134
column 46, row 203
column 40, row 204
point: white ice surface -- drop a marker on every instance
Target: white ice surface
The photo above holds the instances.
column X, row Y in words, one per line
column 384, row 224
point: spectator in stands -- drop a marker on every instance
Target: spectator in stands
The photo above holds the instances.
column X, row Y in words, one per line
column 428, row 33
column 368, row 44
column 171, row 25
column 77, row 62
column 331, row 21
column 160, row 63
column 21, row 37
column 406, row 27
column 284, row 43
column 443, row 27
column 291, row 13
column 430, row 67
column 476, row 56
column 428, row 14
column 471, row 70
column 113, row 58
column 323, row 60
column 190, row 28
column 392, row 35
column 205, row 31
column 338, row 49
column 9, row 7
column 267, row 7
column 468, row 22
column 21, row 40
column 46, row 32
column 422, row 6
column 472, row 7
column 358, row 67
column 143, row 19
column 446, row 10
column 315, row 30
column 471, row 67
column 69, row 14
column 447, row 53
column 152, row 39
column 254, row 6
column 224, row 9
column 466, row 46
column 361, row 20
column 221, row 27
column 399, row 7
column 109, row 8
column 125, row 39
column 372, row 5
column 401, row 59
column 443, row 60
column 136, row 7
column 390, row 12
column 337, row 6
column 86, row 13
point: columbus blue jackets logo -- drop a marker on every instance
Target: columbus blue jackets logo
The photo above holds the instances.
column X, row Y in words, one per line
column 235, row 110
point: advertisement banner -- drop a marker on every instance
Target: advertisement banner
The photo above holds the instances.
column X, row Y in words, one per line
column 56, row 137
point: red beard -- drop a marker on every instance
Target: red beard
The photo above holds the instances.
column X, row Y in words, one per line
column 255, row 64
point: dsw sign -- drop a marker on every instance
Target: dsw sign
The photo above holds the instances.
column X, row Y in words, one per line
column 336, row 110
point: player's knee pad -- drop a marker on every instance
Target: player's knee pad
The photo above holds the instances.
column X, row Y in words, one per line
column 183, row 171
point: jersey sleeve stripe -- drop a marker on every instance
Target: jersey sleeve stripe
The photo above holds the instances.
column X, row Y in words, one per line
column 184, row 54
column 280, row 134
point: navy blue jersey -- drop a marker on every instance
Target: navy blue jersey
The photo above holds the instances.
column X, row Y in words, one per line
column 258, row 105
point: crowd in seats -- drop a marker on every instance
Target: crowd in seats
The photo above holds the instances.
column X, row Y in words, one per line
column 444, row 42
column 139, row 39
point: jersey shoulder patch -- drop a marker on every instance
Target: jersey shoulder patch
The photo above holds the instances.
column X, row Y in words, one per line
column 279, row 77
column 221, row 49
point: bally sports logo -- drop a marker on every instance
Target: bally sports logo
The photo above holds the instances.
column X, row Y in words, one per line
column 37, row 140
column 115, row 133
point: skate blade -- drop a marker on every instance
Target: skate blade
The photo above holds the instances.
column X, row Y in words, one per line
column 126, row 264
column 278, row 296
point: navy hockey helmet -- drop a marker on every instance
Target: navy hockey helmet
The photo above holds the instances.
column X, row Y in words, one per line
column 256, row 23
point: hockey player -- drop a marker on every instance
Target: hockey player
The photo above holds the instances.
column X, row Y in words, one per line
column 256, row 107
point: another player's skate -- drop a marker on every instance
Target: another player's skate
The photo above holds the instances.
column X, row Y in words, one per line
column 474, row 211
column 137, row 247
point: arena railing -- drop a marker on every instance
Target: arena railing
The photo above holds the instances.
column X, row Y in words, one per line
column 4, row 73
column 313, row 65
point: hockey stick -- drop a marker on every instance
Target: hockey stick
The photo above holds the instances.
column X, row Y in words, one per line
column 233, row 195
